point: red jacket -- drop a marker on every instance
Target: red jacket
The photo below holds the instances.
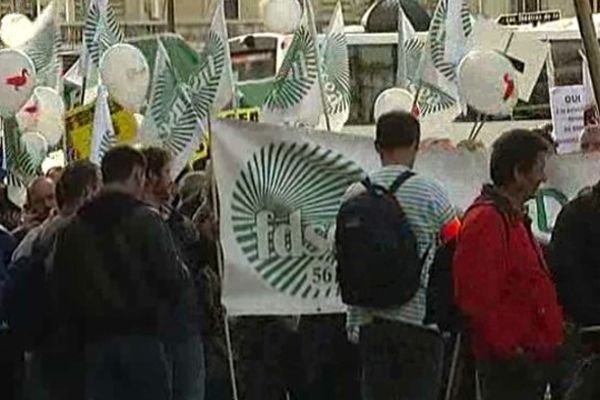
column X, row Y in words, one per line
column 503, row 286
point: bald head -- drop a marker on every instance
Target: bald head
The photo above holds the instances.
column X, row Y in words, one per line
column 40, row 198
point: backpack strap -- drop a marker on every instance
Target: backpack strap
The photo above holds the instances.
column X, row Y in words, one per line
column 400, row 180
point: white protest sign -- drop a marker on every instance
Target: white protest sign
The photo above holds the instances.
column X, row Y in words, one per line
column 279, row 192
column 568, row 104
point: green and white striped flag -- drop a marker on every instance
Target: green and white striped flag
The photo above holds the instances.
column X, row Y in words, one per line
column 162, row 96
column 44, row 46
column 211, row 86
column 450, row 28
column 182, row 133
column 103, row 132
column 296, row 98
column 101, row 30
column 225, row 92
column 335, row 73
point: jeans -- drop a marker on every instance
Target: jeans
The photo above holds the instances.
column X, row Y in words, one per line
column 127, row 368
column 400, row 361
column 516, row 379
column 188, row 368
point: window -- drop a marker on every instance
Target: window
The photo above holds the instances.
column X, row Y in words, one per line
column 522, row 6
column 232, row 9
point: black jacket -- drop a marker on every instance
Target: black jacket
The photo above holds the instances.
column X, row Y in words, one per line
column 115, row 268
column 575, row 258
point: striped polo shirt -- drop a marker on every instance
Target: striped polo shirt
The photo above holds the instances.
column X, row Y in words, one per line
column 428, row 211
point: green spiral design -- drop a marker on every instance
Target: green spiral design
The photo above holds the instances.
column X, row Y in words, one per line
column 283, row 178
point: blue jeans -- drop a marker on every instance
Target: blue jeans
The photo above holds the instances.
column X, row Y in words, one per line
column 400, row 362
column 127, row 368
column 188, row 372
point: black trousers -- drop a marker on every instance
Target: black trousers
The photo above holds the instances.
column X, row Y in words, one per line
column 400, row 362
column 516, row 379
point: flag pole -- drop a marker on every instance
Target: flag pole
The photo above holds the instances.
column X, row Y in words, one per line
column 590, row 42
column 401, row 68
column 313, row 27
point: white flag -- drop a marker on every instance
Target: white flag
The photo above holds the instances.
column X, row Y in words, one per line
column 101, row 30
column 296, row 98
column 162, row 95
column 44, row 46
column 226, row 89
column 406, row 32
column 103, row 132
column 450, row 27
column 335, row 73
column 211, row 86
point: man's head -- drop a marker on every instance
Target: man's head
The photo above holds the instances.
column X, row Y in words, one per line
column 159, row 188
column 55, row 173
column 590, row 139
column 397, row 138
column 125, row 167
column 40, row 198
column 518, row 162
column 77, row 184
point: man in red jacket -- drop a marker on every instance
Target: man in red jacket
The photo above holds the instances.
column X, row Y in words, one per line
column 502, row 283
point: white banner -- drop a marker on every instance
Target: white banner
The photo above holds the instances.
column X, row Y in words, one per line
column 568, row 104
column 280, row 188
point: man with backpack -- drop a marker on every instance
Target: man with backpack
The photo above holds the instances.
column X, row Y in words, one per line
column 501, row 282
column 388, row 229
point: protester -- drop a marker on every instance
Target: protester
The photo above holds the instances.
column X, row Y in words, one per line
column 195, row 203
column 52, row 358
column 575, row 261
column 502, row 283
column 11, row 360
column 115, row 268
column 55, row 173
column 182, row 325
column 590, row 139
column 401, row 357
column 40, row 202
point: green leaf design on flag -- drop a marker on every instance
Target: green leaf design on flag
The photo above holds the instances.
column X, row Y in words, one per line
column 432, row 99
column 101, row 30
column 437, row 37
column 203, row 85
column 164, row 89
column 282, row 179
column 182, row 125
column 21, row 166
column 336, row 73
column 298, row 73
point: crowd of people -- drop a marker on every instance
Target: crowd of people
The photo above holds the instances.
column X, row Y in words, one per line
column 111, row 290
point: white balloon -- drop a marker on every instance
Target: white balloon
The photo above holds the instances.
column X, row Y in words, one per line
column 35, row 145
column 52, row 128
column 281, row 16
column 125, row 72
column 487, row 82
column 44, row 113
column 394, row 99
column 16, row 29
column 17, row 80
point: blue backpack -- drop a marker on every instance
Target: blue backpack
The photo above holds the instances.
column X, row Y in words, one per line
column 378, row 262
